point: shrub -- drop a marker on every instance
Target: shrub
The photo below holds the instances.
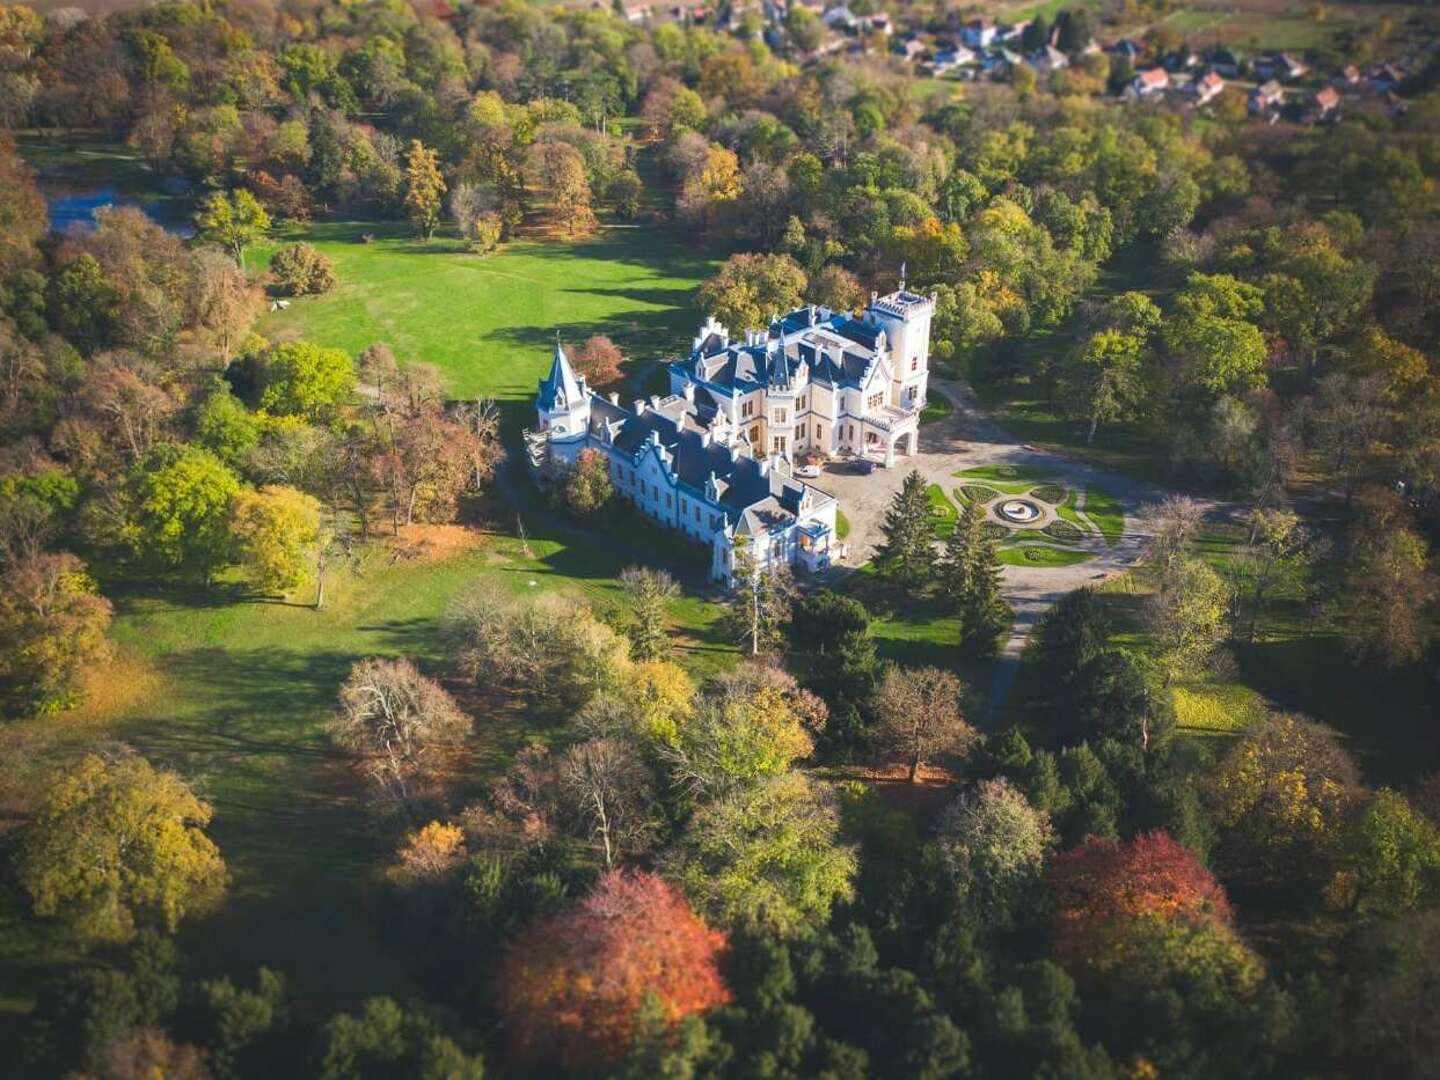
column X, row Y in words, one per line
column 484, row 233
column 1065, row 531
column 1053, row 494
column 978, row 493
column 993, row 530
column 301, row 269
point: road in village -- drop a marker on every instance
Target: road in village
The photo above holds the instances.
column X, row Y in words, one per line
column 969, row 437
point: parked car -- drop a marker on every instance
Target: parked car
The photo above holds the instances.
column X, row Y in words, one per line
column 807, row 472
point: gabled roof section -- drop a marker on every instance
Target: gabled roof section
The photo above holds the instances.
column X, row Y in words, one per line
column 560, row 389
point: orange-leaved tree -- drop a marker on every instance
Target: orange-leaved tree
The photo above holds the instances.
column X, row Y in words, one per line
column 574, row 984
column 1143, row 910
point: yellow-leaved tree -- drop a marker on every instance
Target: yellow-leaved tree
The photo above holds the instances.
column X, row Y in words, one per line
column 277, row 529
column 119, row 841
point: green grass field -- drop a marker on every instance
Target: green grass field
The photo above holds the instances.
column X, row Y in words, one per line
column 1041, row 555
column 489, row 323
column 943, row 514
column 1109, row 517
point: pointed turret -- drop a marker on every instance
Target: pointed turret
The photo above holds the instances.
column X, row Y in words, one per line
column 560, row 389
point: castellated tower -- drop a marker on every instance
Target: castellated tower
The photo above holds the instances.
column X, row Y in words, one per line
column 563, row 407
column 905, row 318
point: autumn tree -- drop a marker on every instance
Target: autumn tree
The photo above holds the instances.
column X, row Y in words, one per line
column 396, row 721
column 748, row 289
column 224, row 303
column 920, row 717
column 1187, row 616
column 233, row 221
column 1143, row 910
column 424, row 188
column 599, row 360
column 1391, row 860
column 836, row 288
column 1388, row 585
column 715, row 185
column 52, row 624
column 995, row 846
column 1101, row 381
column 586, row 486
column 650, row 592
column 907, row 555
column 276, row 531
column 302, row 379
column 117, row 842
column 558, row 171
column 573, row 986
column 1281, row 798
column 302, row 270
column 766, row 858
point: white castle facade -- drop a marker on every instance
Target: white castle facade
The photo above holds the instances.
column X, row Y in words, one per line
column 714, row 460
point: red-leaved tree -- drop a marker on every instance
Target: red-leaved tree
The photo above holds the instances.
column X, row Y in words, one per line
column 574, row 984
column 1114, row 899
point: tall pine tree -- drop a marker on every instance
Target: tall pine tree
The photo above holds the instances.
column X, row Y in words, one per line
column 907, row 556
column 970, row 581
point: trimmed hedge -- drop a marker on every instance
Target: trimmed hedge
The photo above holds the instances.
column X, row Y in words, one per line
column 978, row 493
column 1064, row 531
column 1053, row 494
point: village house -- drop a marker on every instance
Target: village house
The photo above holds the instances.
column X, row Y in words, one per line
column 1204, row 88
column 1280, row 66
column 947, row 60
column 1327, row 100
column 1047, row 60
column 1265, row 98
column 1149, row 83
column 979, row 33
column 1126, row 49
column 1347, row 76
column 714, row 459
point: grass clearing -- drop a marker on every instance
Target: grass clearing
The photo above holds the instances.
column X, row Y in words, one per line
column 1033, row 554
column 1002, row 472
column 943, row 514
column 489, row 323
column 1217, row 707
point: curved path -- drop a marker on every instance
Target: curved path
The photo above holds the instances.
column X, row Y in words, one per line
column 969, row 437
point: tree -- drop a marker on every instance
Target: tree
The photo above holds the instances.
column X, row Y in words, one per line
column 1391, row 859
column 587, row 487
column 758, row 608
column 650, row 592
column 599, row 360
column 608, row 787
column 907, row 554
column 919, row 716
column 766, row 859
column 1350, row 417
column 301, row 379
column 1171, row 524
column 836, row 288
column 716, row 183
column 116, row 842
column 1281, row 798
column 225, row 303
column 835, row 631
column 995, row 845
column 1143, row 910
column 1101, row 380
column 181, row 510
column 748, row 289
column 424, row 188
column 970, row 581
column 52, row 624
column 276, row 531
column 1187, row 615
column 1066, row 638
column 574, row 985
column 386, row 1040
column 301, row 270
column 1388, row 584
column 235, row 221
column 396, row 720
column 804, row 28
column 145, row 1053
column 1278, row 555
column 558, row 170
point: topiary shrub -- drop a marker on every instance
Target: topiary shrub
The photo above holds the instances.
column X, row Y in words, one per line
column 300, row 269
column 978, row 492
column 994, row 530
column 1053, row 494
column 1064, row 531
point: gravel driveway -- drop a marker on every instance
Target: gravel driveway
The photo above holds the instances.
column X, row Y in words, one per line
column 969, row 437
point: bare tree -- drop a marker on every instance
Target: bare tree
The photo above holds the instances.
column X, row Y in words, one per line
column 1171, row 524
column 608, row 788
column 395, row 718
column 920, row 716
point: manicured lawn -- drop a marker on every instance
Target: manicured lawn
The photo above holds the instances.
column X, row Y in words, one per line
column 942, row 512
column 1041, row 555
column 1107, row 514
column 1002, row 473
column 1217, row 707
column 490, row 323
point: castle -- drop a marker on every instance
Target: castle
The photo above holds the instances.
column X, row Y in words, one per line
column 714, row 460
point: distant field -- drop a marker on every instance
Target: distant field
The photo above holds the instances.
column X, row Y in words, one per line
column 490, row 323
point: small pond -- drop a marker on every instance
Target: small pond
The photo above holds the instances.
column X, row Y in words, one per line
column 74, row 209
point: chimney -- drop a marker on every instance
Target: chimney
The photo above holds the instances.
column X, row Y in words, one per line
column 614, row 397
column 812, row 314
column 688, row 390
column 639, row 406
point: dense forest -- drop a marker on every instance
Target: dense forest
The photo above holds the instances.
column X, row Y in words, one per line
column 820, row 854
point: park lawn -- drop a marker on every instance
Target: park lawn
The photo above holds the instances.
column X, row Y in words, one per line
column 994, row 475
column 490, row 323
column 1033, row 554
column 1105, row 511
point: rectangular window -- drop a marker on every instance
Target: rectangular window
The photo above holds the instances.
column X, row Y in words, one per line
column 817, row 431
column 782, row 416
column 667, row 500
column 914, row 363
column 714, row 521
column 874, row 401
column 697, row 512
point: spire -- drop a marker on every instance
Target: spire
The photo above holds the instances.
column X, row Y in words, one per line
column 560, row 388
